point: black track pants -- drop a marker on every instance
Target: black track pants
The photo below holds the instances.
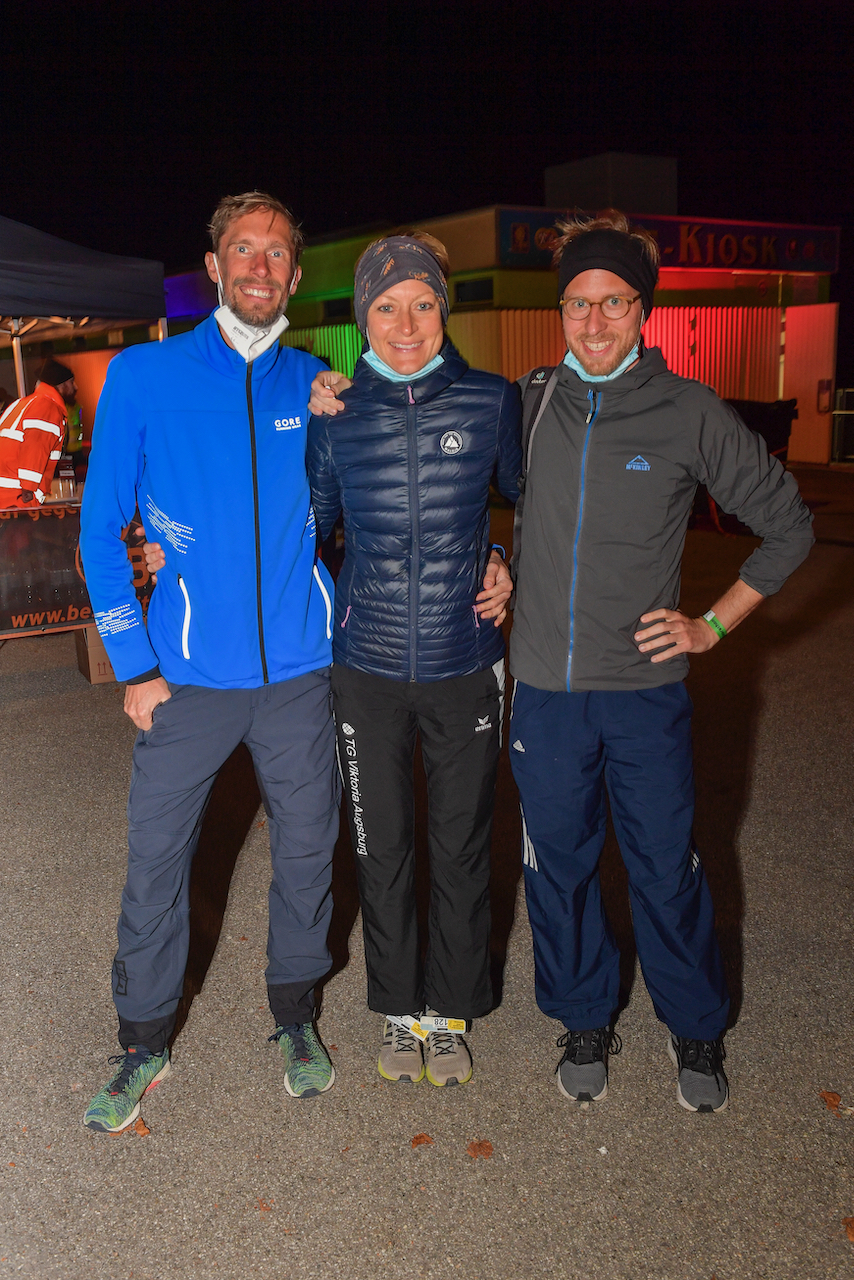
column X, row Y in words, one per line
column 459, row 721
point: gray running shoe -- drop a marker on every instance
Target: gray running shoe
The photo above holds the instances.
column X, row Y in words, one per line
column 582, row 1073
column 401, row 1056
column 702, row 1085
column 448, row 1059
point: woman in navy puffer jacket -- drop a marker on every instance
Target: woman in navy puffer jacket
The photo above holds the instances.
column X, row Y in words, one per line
column 417, row 645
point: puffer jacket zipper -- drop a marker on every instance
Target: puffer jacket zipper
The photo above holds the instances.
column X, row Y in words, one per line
column 253, row 447
column 594, row 403
column 415, row 536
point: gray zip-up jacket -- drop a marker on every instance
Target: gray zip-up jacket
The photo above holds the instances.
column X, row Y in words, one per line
column 612, row 469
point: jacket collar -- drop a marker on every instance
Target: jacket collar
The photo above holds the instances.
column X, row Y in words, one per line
column 216, row 351
column 45, row 389
column 422, row 390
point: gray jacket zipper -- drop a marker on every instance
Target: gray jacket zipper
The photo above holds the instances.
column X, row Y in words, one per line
column 594, row 403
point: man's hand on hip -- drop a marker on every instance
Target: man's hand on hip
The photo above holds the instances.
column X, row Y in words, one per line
column 681, row 633
column 695, row 635
column 141, row 699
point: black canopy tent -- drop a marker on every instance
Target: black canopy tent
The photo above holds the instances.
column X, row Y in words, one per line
column 46, row 282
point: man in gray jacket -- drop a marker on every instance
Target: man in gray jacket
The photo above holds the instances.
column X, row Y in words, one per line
column 615, row 448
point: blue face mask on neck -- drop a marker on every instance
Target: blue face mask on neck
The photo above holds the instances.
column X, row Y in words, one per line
column 385, row 371
column 572, row 362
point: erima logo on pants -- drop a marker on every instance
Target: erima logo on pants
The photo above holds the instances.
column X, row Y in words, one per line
column 483, row 723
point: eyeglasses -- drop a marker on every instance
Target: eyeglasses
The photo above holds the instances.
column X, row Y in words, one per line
column 613, row 308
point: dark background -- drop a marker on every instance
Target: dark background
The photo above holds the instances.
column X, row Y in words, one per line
column 124, row 123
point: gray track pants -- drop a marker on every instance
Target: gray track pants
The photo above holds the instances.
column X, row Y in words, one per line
column 288, row 730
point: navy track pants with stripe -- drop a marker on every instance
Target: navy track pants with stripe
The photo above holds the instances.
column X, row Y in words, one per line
column 289, row 731
column 564, row 749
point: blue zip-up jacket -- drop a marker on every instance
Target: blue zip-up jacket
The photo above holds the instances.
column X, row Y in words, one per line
column 411, row 466
column 212, row 450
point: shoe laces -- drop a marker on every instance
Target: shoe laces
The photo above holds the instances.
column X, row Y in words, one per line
column 583, row 1047
column 442, row 1043
column 704, row 1056
column 298, row 1033
column 131, row 1061
column 403, row 1041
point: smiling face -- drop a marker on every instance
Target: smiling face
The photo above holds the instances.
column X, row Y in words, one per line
column 405, row 326
column 599, row 344
column 256, row 265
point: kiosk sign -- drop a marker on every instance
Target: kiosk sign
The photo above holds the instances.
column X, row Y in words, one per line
column 526, row 238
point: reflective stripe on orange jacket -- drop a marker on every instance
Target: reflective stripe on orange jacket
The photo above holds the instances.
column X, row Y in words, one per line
column 32, row 431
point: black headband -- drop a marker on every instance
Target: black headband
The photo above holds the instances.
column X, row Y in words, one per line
column 394, row 259
column 610, row 251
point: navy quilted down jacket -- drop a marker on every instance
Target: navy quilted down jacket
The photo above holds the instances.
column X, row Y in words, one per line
column 411, row 466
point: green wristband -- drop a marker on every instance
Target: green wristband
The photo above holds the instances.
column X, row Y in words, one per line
column 717, row 626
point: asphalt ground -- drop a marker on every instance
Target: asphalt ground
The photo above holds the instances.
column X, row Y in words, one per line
column 235, row 1179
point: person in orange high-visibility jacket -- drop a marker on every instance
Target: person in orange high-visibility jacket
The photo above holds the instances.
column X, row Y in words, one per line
column 31, row 434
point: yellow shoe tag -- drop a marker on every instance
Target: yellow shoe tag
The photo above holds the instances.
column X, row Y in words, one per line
column 433, row 1022
column 409, row 1024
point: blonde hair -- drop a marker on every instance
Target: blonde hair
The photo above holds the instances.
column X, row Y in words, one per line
column 575, row 225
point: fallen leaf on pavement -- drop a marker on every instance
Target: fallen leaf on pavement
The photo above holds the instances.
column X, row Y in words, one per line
column 264, row 1205
column 422, row 1140
column 482, row 1148
column 848, row 1224
column 141, row 1127
column 833, row 1102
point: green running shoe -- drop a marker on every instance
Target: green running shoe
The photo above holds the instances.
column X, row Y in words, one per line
column 117, row 1104
column 308, row 1070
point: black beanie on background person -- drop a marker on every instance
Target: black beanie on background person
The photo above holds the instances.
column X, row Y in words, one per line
column 54, row 373
column 614, row 251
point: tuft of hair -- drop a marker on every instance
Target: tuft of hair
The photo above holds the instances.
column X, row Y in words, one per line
column 230, row 208
column 571, row 227
column 438, row 250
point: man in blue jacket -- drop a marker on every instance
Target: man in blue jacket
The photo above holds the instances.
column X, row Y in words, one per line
column 206, row 435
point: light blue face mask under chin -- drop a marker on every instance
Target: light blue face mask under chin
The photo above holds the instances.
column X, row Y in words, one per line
column 572, row 362
column 385, row 371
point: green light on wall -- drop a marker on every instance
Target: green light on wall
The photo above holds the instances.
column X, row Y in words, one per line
column 340, row 344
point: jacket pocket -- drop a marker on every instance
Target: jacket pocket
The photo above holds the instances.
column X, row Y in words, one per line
column 188, row 613
column 327, row 601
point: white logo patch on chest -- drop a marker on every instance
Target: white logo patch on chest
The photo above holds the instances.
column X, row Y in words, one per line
column 288, row 424
column 451, row 442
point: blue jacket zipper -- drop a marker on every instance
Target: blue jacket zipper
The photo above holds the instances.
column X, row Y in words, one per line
column 594, row 402
column 415, row 520
column 251, row 411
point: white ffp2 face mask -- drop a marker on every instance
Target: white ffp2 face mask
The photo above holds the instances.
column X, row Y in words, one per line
column 247, row 340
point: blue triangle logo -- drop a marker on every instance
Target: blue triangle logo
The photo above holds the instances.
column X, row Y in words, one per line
column 638, row 463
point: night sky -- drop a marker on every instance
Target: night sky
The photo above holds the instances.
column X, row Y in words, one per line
column 124, row 123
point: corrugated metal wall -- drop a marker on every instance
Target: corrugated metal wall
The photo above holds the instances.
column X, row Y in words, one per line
column 340, row 344
column 736, row 350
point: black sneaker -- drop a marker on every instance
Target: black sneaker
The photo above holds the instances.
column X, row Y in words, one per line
column 702, row 1085
column 582, row 1073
